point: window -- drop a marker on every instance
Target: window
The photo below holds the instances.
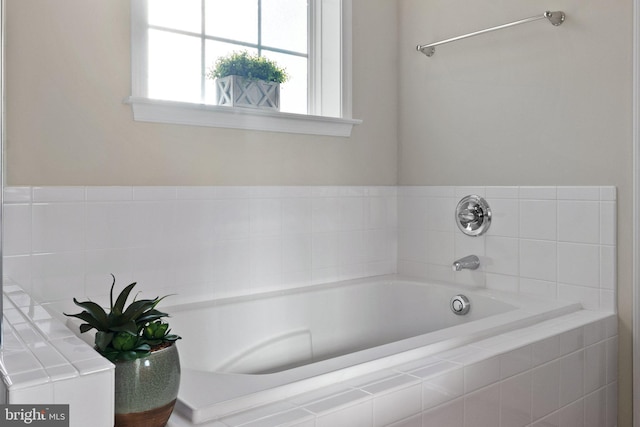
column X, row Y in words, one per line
column 175, row 43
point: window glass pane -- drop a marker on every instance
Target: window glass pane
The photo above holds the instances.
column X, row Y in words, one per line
column 214, row 50
column 235, row 19
column 293, row 93
column 182, row 15
column 284, row 24
column 174, row 67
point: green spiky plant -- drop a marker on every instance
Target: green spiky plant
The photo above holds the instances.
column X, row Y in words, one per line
column 125, row 333
column 252, row 67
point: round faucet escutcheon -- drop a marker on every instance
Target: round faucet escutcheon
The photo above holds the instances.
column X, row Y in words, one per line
column 460, row 304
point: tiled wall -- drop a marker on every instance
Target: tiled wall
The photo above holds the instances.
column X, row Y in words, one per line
column 552, row 241
column 558, row 373
column 61, row 242
column 44, row 363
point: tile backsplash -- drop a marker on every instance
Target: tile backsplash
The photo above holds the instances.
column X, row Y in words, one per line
column 212, row 242
column 557, row 242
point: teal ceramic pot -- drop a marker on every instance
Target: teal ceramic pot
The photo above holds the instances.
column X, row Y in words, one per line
column 147, row 388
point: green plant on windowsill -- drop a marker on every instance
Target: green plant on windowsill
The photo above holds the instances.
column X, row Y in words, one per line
column 126, row 333
column 252, row 67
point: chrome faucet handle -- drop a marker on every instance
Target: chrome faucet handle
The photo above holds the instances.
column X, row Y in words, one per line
column 469, row 215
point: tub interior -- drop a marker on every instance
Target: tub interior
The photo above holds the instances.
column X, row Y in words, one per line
column 279, row 332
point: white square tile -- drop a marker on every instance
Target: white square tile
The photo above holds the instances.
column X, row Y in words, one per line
column 588, row 297
column 497, row 192
column 608, row 193
column 612, row 405
column 151, row 223
column 608, row 301
column 538, row 288
column 467, row 245
column 415, row 421
column 88, row 409
column 505, row 217
column 17, row 229
column 500, row 282
column 154, row 193
column 351, row 213
column 193, row 223
column 538, row 259
column 257, row 413
column 296, row 215
column 607, row 267
column 325, row 214
column 579, row 193
column 572, row 415
column 265, row 217
column 17, row 194
column 58, row 227
column 351, row 247
column 538, row 219
column 324, row 247
column 481, row 374
column 545, row 389
column 516, row 361
column 594, row 332
column 515, row 404
column 595, row 409
column 109, row 194
column 595, row 367
column 196, row 193
column 379, row 212
column 463, row 191
column 359, row 415
column 612, row 360
column 108, row 225
column 538, row 193
column 57, row 276
column 482, row 408
column 572, row 340
column 579, row 221
column 58, row 194
column 448, row 415
column 608, row 223
column 578, row 264
column 440, row 248
column 502, row 255
column 572, row 377
column 413, row 245
column 266, row 260
column 442, row 388
column 41, row 394
column 413, row 212
column 232, row 218
column 397, row 405
column 441, row 214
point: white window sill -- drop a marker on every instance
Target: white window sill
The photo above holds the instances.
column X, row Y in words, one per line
column 184, row 113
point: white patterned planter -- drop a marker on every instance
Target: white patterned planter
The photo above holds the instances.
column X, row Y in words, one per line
column 236, row 91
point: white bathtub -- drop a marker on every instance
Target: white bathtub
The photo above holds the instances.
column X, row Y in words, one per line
column 242, row 352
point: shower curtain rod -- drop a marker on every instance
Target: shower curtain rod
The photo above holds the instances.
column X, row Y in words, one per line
column 556, row 18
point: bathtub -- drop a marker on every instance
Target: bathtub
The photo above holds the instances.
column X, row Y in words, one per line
column 242, row 352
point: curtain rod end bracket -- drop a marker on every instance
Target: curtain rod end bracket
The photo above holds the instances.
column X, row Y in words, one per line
column 427, row 50
column 556, row 18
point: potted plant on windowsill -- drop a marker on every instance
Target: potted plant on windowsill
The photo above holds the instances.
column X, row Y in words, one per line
column 139, row 343
column 249, row 81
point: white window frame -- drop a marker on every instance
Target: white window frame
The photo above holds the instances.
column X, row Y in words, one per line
column 185, row 113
